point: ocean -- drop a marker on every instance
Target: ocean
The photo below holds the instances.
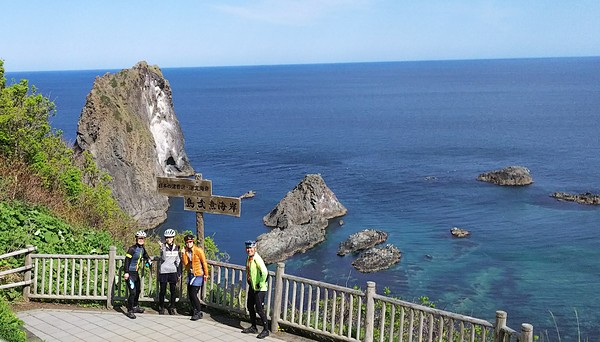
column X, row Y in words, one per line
column 401, row 145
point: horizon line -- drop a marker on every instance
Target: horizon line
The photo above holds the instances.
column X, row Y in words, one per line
column 300, row 64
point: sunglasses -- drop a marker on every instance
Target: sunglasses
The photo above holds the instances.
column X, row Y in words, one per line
column 141, row 238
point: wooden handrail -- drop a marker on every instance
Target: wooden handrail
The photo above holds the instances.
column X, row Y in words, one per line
column 19, row 252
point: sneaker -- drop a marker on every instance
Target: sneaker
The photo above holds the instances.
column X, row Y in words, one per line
column 138, row 309
column 263, row 334
column 172, row 311
column 250, row 330
column 161, row 311
column 130, row 314
column 196, row 315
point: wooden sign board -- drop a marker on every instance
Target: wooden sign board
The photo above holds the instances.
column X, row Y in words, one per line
column 213, row 205
column 181, row 187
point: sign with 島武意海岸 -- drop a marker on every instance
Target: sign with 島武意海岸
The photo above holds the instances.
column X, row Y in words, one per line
column 183, row 186
column 213, row 205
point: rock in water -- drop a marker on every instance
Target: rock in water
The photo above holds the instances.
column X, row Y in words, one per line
column 512, row 176
column 311, row 197
column 459, row 232
column 376, row 259
column 300, row 218
column 362, row 240
column 129, row 127
column 585, row 198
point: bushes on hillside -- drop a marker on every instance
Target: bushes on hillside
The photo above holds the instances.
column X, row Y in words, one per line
column 37, row 166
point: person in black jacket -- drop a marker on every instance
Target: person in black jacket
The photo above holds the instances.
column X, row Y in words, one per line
column 135, row 260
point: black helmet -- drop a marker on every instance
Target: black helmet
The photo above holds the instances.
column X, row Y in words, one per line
column 188, row 237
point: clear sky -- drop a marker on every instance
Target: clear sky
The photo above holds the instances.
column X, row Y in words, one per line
column 90, row 34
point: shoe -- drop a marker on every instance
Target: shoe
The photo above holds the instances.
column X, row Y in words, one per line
column 130, row 314
column 172, row 311
column 161, row 311
column 250, row 330
column 263, row 334
column 197, row 315
column 138, row 309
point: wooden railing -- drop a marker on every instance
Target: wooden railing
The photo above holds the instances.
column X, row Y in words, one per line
column 298, row 303
column 27, row 281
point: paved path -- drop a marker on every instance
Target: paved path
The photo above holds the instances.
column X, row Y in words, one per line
column 93, row 325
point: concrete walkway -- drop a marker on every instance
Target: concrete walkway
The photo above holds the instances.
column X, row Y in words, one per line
column 95, row 325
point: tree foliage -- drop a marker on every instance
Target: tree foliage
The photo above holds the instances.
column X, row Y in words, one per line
column 79, row 190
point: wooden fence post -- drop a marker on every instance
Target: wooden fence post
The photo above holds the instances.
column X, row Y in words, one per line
column 526, row 332
column 499, row 326
column 277, row 297
column 112, row 267
column 370, row 314
column 27, row 287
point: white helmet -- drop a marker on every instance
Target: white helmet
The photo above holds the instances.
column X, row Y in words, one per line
column 170, row 233
column 140, row 233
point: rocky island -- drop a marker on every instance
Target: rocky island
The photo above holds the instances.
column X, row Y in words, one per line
column 362, row 240
column 128, row 126
column 509, row 176
column 299, row 220
column 377, row 259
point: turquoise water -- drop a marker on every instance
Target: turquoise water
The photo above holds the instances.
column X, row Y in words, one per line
column 401, row 144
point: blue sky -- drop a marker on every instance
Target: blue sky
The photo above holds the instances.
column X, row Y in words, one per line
column 76, row 35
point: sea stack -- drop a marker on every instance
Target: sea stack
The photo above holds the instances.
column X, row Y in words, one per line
column 299, row 219
column 129, row 127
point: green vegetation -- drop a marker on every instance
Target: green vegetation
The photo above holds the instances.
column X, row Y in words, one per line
column 10, row 325
column 39, row 169
column 50, row 197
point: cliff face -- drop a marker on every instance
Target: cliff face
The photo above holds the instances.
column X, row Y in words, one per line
column 129, row 126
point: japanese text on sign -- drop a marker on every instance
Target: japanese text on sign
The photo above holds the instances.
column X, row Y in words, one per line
column 213, row 204
column 183, row 186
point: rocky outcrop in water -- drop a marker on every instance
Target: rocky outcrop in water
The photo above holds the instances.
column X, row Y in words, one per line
column 362, row 240
column 377, row 259
column 510, row 176
column 300, row 220
column 585, row 198
column 129, row 127
column 459, row 232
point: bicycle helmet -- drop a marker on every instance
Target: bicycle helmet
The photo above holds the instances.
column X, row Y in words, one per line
column 250, row 243
column 140, row 233
column 188, row 237
column 169, row 233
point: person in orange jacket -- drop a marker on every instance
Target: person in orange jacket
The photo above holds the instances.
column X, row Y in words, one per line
column 194, row 261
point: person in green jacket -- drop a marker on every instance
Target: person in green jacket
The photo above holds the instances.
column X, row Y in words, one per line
column 256, row 276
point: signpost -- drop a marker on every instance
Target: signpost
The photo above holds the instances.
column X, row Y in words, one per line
column 198, row 197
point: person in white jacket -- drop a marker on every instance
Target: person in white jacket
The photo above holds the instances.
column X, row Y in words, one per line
column 169, row 271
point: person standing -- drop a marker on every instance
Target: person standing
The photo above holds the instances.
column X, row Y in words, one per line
column 194, row 261
column 256, row 276
column 135, row 261
column 169, row 271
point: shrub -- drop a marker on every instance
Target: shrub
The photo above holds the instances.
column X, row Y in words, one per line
column 10, row 325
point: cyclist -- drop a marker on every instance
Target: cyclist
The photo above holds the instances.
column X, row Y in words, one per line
column 135, row 261
column 169, row 271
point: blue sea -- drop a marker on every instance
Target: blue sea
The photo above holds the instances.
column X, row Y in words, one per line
column 401, row 145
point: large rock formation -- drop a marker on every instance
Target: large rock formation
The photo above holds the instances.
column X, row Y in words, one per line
column 512, row 175
column 129, row 126
column 585, row 198
column 300, row 220
column 364, row 239
column 377, row 259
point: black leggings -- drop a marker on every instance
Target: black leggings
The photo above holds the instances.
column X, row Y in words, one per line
column 163, row 292
column 134, row 294
column 256, row 303
column 193, row 297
